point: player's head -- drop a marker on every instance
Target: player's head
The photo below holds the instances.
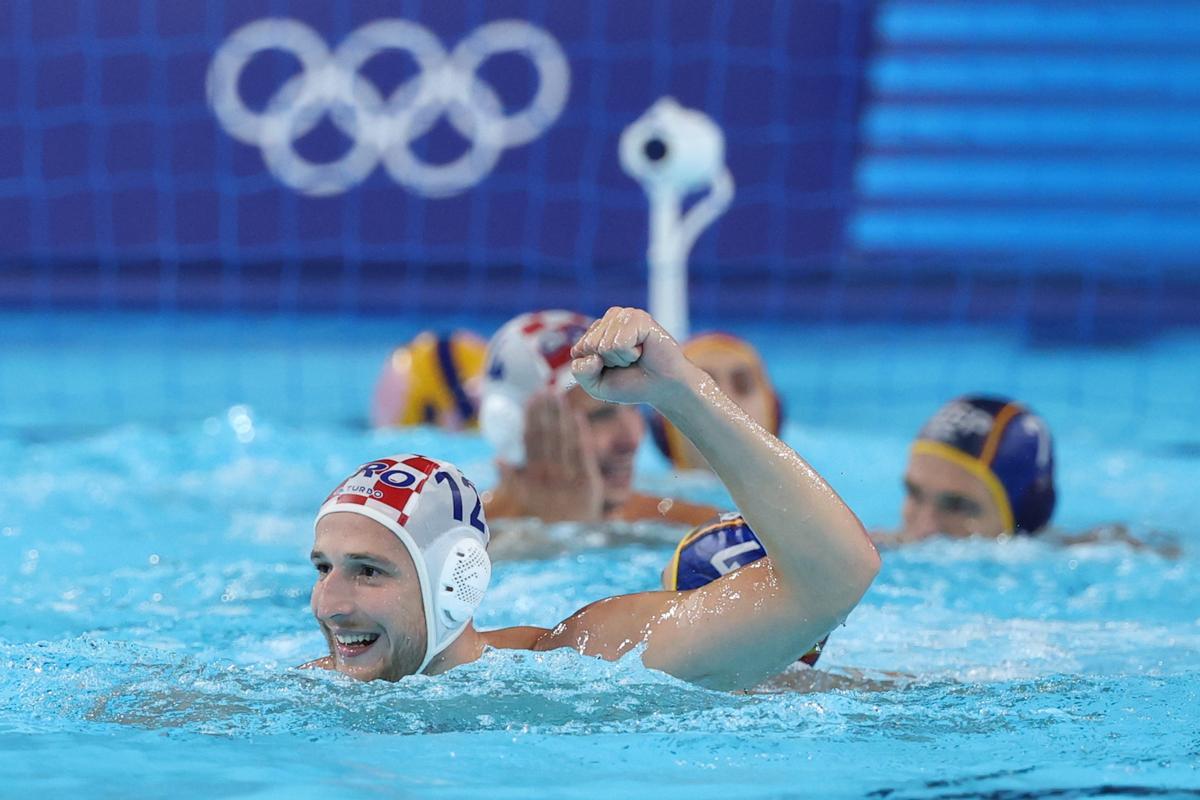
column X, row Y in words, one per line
column 532, row 353
column 738, row 369
column 432, row 380
column 401, row 555
column 980, row 466
column 714, row 549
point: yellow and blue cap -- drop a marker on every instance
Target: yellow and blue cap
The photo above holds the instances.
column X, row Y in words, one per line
column 1006, row 446
column 432, row 380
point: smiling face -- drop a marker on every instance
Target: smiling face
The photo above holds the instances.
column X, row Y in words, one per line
column 367, row 599
column 941, row 497
column 615, row 432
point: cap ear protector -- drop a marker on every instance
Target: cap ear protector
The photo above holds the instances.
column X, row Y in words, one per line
column 464, row 579
column 502, row 420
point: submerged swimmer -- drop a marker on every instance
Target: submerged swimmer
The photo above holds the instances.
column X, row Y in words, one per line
column 432, row 380
column 738, row 369
column 400, row 547
column 562, row 454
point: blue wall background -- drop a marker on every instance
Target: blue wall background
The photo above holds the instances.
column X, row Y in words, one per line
column 1018, row 163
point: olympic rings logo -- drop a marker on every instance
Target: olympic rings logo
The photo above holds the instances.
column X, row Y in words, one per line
column 384, row 128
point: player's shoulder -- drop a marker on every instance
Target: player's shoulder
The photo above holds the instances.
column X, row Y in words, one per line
column 324, row 662
column 518, row 637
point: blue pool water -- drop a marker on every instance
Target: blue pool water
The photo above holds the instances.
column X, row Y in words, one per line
column 159, row 480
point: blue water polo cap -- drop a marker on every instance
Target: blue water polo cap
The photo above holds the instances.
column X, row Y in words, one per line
column 712, row 550
column 717, row 548
column 1005, row 445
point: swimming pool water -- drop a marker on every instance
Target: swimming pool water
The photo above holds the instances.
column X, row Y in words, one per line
column 153, row 595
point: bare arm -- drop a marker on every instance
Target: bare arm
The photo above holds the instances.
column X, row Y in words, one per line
column 1118, row 533
column 755, row 621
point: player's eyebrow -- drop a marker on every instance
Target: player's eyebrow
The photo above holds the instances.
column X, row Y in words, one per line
column 317, row 555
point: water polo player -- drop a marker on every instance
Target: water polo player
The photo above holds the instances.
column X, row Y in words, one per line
column 432, row 380
column 561, row 454
column 400, row 547
column 738, row 369
column 981, row 466
column 715, row 549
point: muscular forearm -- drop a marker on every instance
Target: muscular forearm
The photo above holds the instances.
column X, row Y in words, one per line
column 814, row 540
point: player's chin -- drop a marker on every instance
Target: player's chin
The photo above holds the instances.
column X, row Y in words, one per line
column 617, row 490
column 357, row 672
column 371, row 663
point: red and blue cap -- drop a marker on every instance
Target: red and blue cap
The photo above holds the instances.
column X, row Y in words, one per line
column 529, row 353
column 436, row 513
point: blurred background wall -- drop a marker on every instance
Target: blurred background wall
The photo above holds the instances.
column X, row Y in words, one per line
column 899, row 160
column 1025, row 166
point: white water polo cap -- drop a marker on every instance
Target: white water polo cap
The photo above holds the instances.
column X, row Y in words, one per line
column 528, row 353
column 436, row 512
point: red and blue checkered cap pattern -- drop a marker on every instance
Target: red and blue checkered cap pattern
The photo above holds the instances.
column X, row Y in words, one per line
column 387, row 485
column 422, row 495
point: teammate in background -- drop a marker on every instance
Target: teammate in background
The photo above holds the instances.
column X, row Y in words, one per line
column 400, row 547
column 432, row 380
column 738, row 369
column 562, row 454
